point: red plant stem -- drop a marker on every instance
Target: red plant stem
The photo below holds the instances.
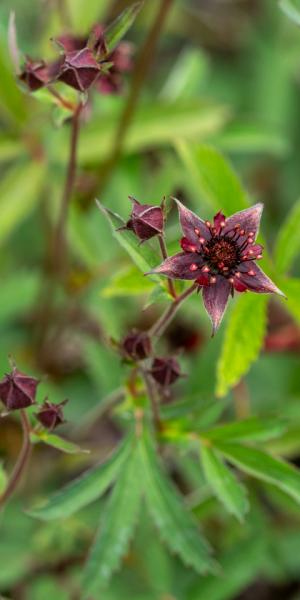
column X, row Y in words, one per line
column 162, row 323
column 164, row 253
column 153, row 397
column 139, row 74
column 21, row 462
column 59, row 250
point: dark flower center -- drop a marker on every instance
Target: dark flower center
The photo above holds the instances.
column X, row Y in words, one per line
column 222, row 254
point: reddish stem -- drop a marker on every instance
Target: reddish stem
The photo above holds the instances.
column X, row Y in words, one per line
column 165, row 255
column 159, row 327
column 21, row 462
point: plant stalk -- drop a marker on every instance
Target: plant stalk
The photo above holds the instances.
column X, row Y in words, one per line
column 164, row 253
column 162, row 323
column 139, row 74
column 21, row 462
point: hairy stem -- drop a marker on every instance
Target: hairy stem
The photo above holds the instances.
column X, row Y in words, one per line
column 164, row 253
column 162, row 323
column 139, row 74
column 21, row 462
column 59, row 250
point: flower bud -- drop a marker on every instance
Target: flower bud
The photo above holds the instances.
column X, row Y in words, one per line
column 35, row 74
column 137, row 345
column 79, row 69
column 165, row 370
column 51, row 415
column 146, row 220
column 18, row 390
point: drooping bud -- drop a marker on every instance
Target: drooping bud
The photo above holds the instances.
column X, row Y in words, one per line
column 18, row 390
column 165, row 370
column 146, row 220
column 137, row 345
column 35, row 74
column 51, row 415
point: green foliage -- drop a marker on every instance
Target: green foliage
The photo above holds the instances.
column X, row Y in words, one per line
column 127, row 282
column 223, row 482
column 3, row 479
column 84, row 490
column 263, row 466
column 292, row 9
column 213, row 177
column 176, row 526
column 51, row 439
column 288, row 242
column 257, row 429
column 118, row 29
column 292, row 290
column 116, row 528
column 243, row 340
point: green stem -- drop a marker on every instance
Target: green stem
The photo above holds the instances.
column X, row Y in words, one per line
column 159, row 327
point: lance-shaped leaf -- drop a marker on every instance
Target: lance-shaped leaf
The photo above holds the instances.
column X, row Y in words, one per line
column 176, row 525
column 291, row 287
column 116, row 528
column 263, row 466
column 54, row 440
column 288, row 240
column 85, row 489
column 141, row 254
column 118, row 29
column 254, row 428
column 224, row 483
column 243, row 340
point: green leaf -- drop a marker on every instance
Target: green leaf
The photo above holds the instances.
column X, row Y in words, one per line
column 116, row 528
column 223, row 482
column 176, row 525
column 141, row 254
column 248, row 554
column 213, row 176
column 19, row 193
column 263, row 466
column 291, row 288
column 118, row 29
column 18, row 292
column 158, row 294
column 243, row 340
column 288, row 240
column 3, row 478
column 85, row 489
column 251, row 138
column 127, row 282
column 54, row 440
column 254, row 428
column 154, row 125
column 292, row 9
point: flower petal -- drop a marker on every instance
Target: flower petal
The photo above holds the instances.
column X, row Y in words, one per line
column 181, row 266
column 215, row 299
column 248, row 219
column 256, row 280
column 192, row 226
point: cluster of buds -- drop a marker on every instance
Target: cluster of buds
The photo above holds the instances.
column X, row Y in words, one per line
column 136, row 346
column 84, row 62
column 18, row 391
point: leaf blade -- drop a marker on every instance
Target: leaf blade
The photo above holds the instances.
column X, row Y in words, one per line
column 118, row 523
column 85, row 489
column 221, row 479
column 176, row 525
column 243, row 340
column 288, row 240
column 118, row 29
column 263, row 466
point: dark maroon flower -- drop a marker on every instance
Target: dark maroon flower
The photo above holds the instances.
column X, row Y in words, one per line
column 137, row 345
column 146, row 220
column 35, row 74
column 18, row 390
column 165, row 370
column 79, row 69
column 51, row 415
column 220, row 257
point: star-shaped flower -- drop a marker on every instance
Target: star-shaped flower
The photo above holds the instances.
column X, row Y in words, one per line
column 220, row 257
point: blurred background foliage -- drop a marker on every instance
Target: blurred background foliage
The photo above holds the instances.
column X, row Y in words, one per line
column 225, row 76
